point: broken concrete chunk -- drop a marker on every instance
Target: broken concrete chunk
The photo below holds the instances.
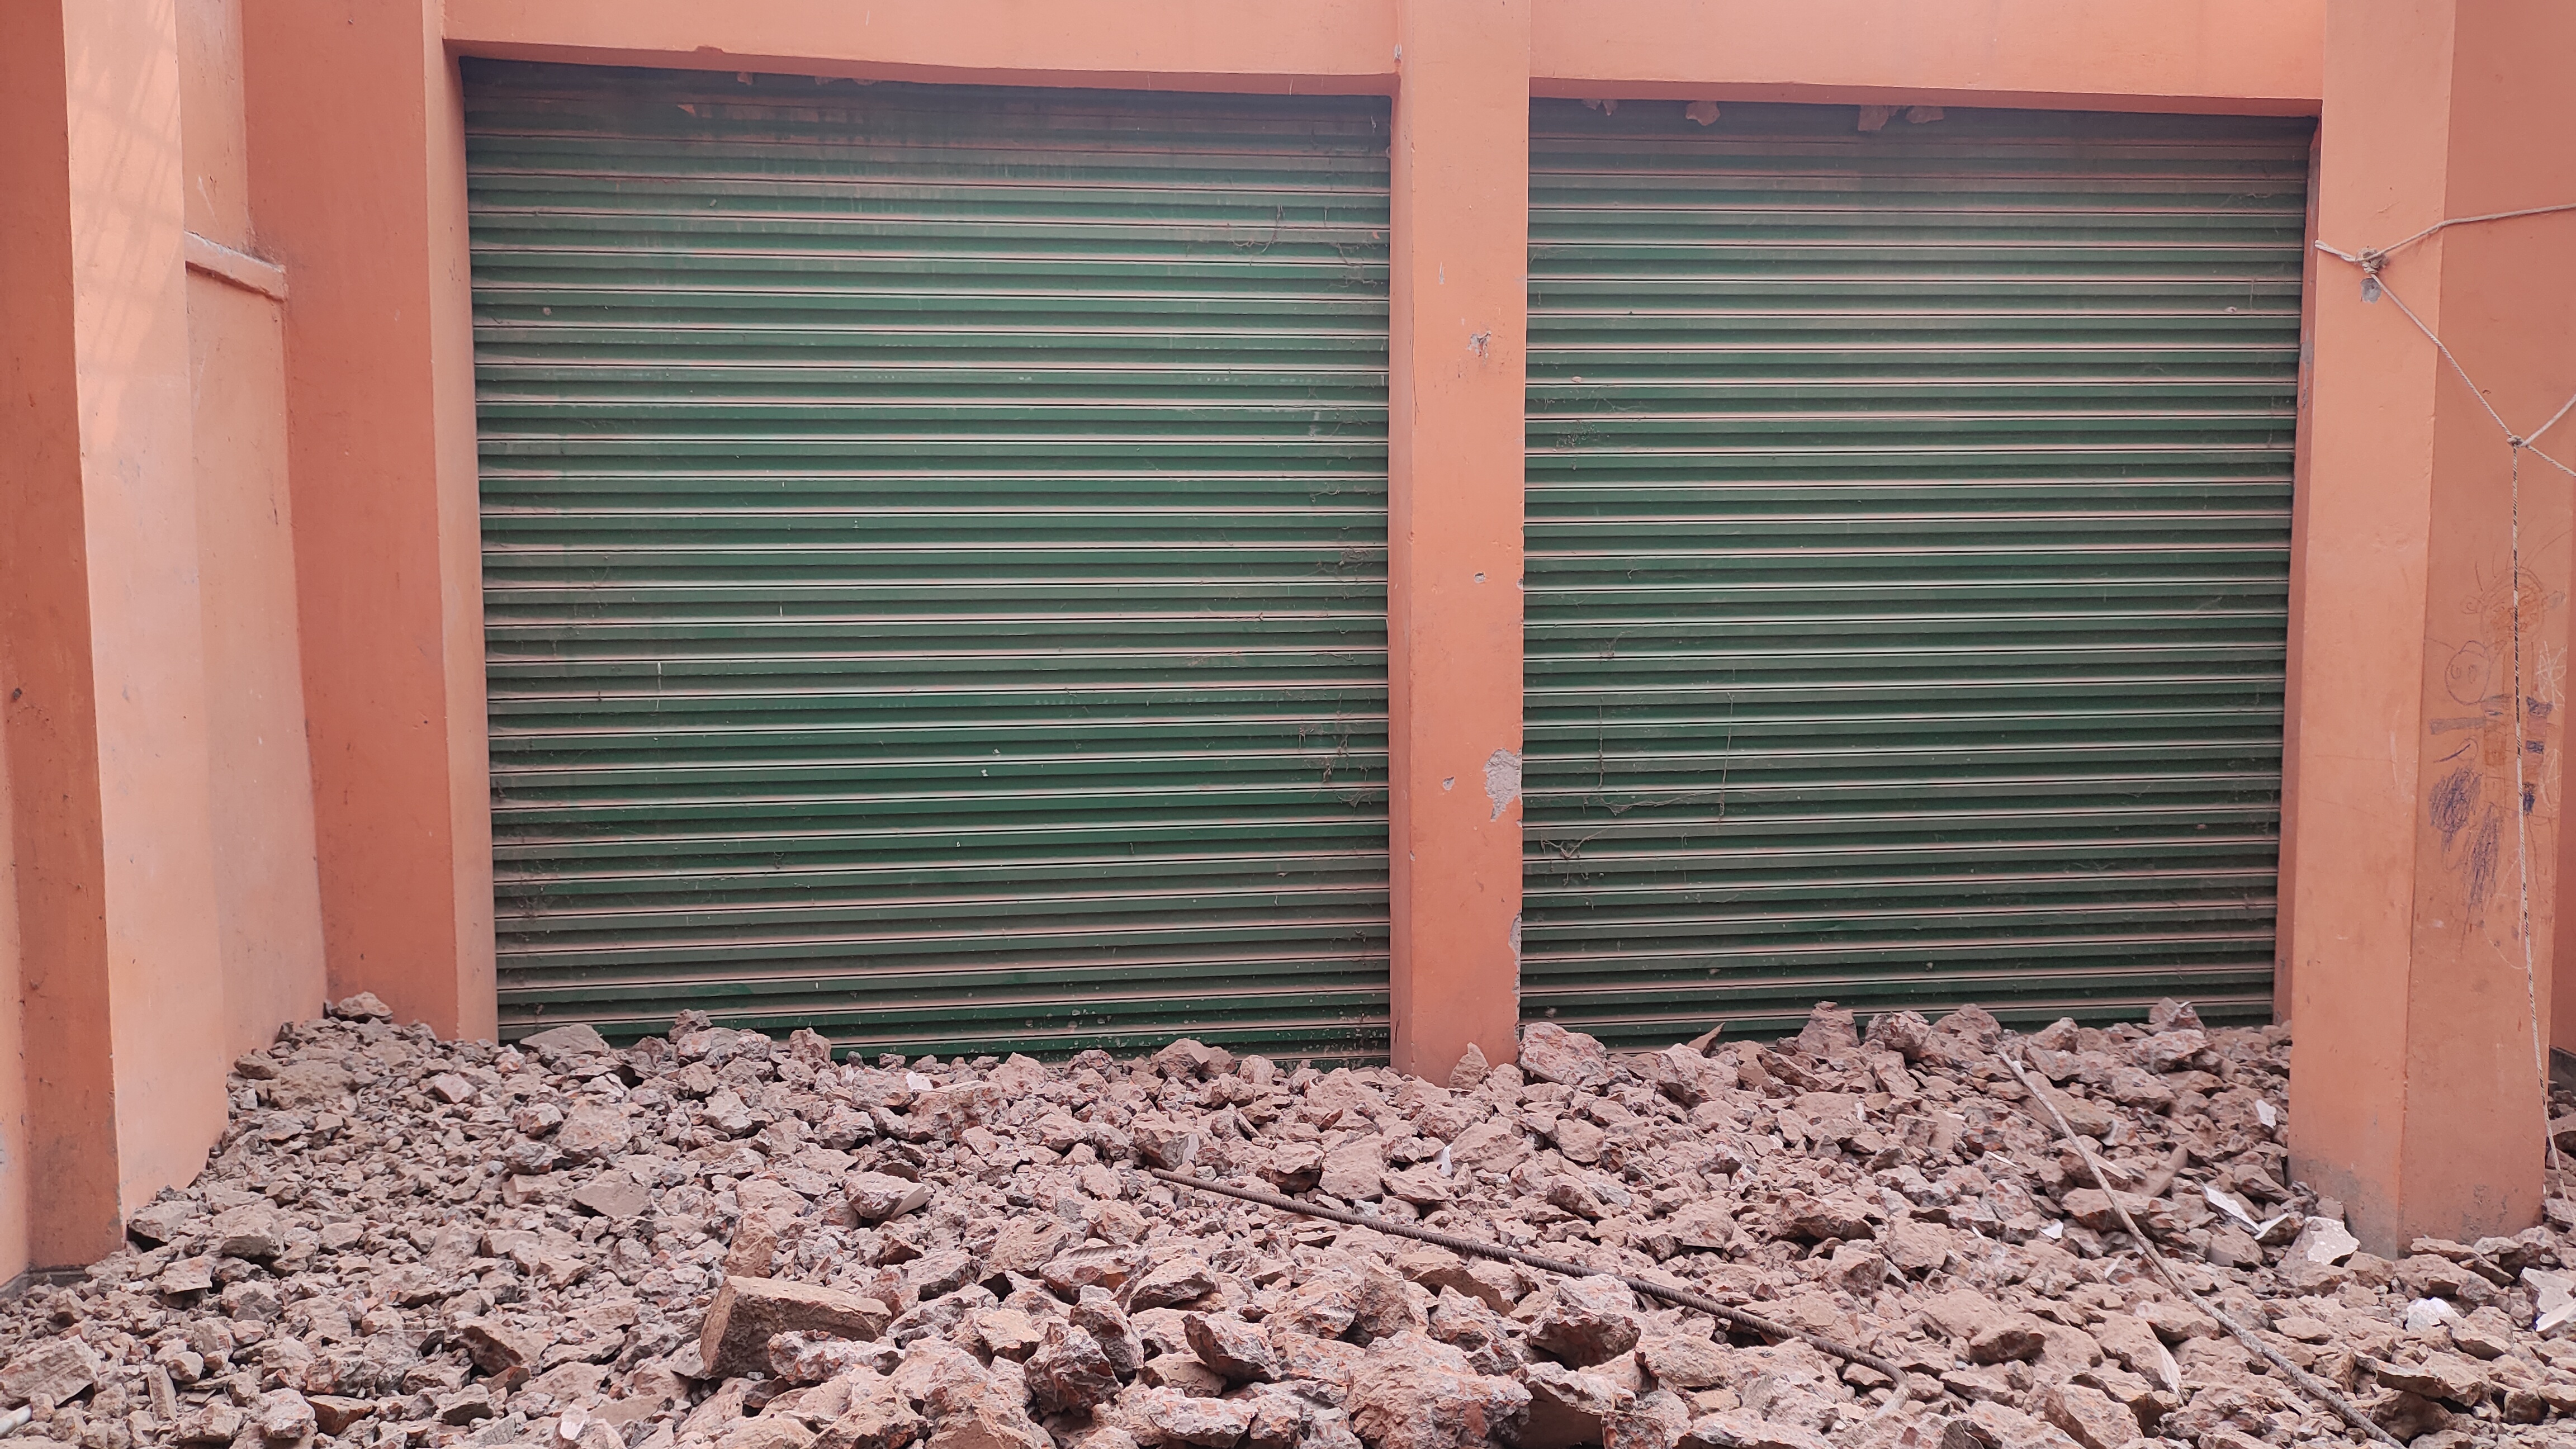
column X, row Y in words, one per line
column 748, row 1312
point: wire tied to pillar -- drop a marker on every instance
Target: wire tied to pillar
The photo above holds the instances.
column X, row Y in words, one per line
column 2373, row 264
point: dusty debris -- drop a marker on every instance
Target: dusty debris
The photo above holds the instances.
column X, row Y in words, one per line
column 715, row 1238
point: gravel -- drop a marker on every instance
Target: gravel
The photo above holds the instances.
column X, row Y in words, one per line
column 715, row 1238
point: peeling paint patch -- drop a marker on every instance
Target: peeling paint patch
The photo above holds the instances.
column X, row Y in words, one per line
column 1514, row 936
column 1450, row 783
column 1502, row 780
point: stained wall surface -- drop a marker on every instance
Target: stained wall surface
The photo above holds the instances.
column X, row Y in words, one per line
column 240, row 604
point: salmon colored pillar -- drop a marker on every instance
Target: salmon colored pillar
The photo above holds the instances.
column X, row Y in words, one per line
column 101, row 632
column 1455, row 404
column 2424, row 808
column 357, row 184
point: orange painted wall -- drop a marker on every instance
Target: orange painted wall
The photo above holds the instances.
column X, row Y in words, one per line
column 1345, row 46
column 2417, row 1096
column 13, row 1062
column 172, row 451
column 268, row 900
column 1458, row 380
column 50, row 729
column 357, row 181
column 2222, row 56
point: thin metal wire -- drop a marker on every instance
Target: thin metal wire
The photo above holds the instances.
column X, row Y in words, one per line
column 1903, row 1383
column 2395, row 247
column 2522, row 803
column 2373, row 262
column 2308, row 1383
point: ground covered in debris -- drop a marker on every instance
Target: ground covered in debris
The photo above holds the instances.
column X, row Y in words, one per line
column 717, row 1238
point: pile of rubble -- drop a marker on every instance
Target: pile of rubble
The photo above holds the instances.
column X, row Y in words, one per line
column 718, row 1238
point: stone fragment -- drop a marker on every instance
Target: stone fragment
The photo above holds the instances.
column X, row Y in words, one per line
column 1231, row 1348
column 365, row 1006
column 1734, row 1429
column 253, row 1230
column 1412, row 1392
column 1179, row 1280
column 1568, row 1407
column 593, row 1133
column 2088, row 1416
column 1552, row 1054
column 1470, row 1070
column 1829, row 1032
column 876, row 1196
column 54, row 1370
column 877, row 1416
column 1169, row 1417
column 1070, row 1372
column 613, row 1195
column 748, row 1312
column 497, row 1347
column 1354, row 1171
column 1590, row 1320
column 283, row 1416
column 1679, row 1361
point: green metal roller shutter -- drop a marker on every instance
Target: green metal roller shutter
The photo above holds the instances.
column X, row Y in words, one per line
column 1909, row 522
column 934, row 558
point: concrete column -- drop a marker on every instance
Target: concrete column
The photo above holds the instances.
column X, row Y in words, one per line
column 1455, row 405
column 358, row 184
column 102, row 673
column 2416, row 1097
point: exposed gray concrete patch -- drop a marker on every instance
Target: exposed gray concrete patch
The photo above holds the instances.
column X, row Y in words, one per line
column 1502, row 780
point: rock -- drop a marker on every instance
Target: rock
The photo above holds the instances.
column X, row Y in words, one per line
column 1231, row 1348
column 497, row 1347
column 2323, row 1240
column 748, row 1312
column 614, row 1195
column 2088, row 1416
column 1097, row 1313
column 1169, row 1417
column 876, row 1196
column 1101, row 1265
column 1986, row 1332
column 1678, row 1361
column 2439, row 1376
column 163, row 1221
column 1070, row 1372
column 593, row 1133
column 1733, row 1429
column 1412, row 1392
column 1654, row 1421
column 1829, row 1032
column 1180, row 1280
column 335, row 1415
column 467, row 1405
column 2408, row 1416
column 365, row 1006
column 1353, row 1172
column 1901, row 1032
column 1471, row 1069
column 215, row 1423
column 254, row 1230
column 878, row 1416
column 1567, row 1407
column 1552, row 1054
column 282, row 1416
column 1590, row 1320
column 1164, row 1142
column 54, row 1370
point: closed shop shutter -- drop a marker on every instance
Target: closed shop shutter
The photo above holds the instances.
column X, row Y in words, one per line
column 1909, row 523
column 934, row 558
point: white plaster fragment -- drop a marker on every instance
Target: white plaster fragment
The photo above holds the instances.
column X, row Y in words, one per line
column 1502, row 780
